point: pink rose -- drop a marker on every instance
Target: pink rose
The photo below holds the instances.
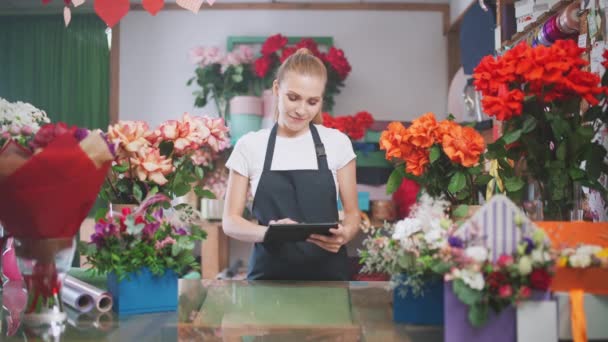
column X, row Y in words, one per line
column 505, row 291
column 505, row 260
column 524, row 292
column 197, row 55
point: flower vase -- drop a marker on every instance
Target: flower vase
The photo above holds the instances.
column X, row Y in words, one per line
column 268, row 108
column 424, row 309
column 245, row 116
column 44, row 264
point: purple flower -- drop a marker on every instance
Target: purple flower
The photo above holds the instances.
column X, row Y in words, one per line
column 111, row 146
column 97, row 239
column 455, row 241
column 529, row 245
column 151, row 228
column 158, row 215
column 81, row 133
column 181, row 231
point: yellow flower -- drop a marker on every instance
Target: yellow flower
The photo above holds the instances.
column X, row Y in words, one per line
column 603, row 254
column 562, row 261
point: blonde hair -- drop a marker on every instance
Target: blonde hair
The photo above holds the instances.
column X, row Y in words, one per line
column 302, row 62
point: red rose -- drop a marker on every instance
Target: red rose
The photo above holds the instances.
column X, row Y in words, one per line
column 288, row 51
column 328, row 120
column 495, row 280
column 273, row 44
column 540, row 279
column 505, row 260
column 364, row 120
column 262, row 66
column 505, row 291
column 335, row 58
column 310, row 45
column 524, row 292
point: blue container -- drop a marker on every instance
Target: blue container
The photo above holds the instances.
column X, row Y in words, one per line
column 426, row 309
column 241, row 124
column 362, row 198
column 143, row 292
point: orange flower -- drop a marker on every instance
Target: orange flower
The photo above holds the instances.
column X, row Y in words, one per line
column 129, row 135
column 150, row 165
column 504, row 106
column 463, row 145
column 392, row 138
column 444, row 128
column 416, row 161
column 422, row 131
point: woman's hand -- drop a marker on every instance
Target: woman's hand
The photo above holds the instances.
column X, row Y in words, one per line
column 282, row 221
column 340, row 236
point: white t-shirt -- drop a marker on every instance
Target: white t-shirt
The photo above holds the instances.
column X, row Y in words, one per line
column 297, row 153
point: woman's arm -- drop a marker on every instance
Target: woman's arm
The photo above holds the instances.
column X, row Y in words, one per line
column 233, row 223
column 347, row 182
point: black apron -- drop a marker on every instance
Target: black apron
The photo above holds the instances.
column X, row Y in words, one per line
column 304, row 196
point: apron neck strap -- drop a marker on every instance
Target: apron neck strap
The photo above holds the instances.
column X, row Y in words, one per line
column 319, row 148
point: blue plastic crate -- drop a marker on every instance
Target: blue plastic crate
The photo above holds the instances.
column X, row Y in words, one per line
column 363, row 198
column 423, row 310
column 143, row 292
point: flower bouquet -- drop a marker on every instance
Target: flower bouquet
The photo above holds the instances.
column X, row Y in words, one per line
column 539, row 94
column 20, row 121
column 167, row 160
column 354, row 126
column 48, row 188
column 275, row 50
column 443, row 157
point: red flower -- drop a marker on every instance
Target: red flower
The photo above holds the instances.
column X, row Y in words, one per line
column 48, row 132
column 505, row 260
column 262, row 66
column 273, row 44
column 309, row 44
column 288, row 51
column 605, row 57
column 364, row 119
column 495, row 280
column 540, row 279
column 338, row 62
column 504, row 106
column 524, row 292
column 505, row 291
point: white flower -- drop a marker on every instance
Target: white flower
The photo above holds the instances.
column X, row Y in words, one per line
column 406, row 227
column 588, row 250
column 525, row 265
column 477, row 253
column 434, row 238
column 473, row 279
column 539, row 256
column 580, row 260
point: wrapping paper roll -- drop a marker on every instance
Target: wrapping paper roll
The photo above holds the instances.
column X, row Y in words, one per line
column 93, row 320
column 78, row 300
column 102, row 299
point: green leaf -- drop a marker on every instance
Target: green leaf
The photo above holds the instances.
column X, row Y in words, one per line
column 512, row 137
column 395, row 179
column 120, row 168
column 513, row 184
column 461, row 211
column 200, row 173
column 237, row 78
column 475, row 170
column 466, row 294
column 529, row 125
column 101, row 213
column 482, row 179
column 434, row 154
column 137, row 193
column 203, row 193
column 166, row 147
column 181, row 189
column 441, row 268
column 586, row 132
column 457, row 182
column 175, row 249
column 576, row 173
column 407, row 261
column 478, row 314
column 561, row 151
column 153, row 191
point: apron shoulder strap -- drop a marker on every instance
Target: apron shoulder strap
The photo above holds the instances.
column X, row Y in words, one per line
column 319, row 148
column 270, row 148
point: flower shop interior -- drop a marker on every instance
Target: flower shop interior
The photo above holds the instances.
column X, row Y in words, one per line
column 479, row 131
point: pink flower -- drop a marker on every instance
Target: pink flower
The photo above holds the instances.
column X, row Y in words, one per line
column 232, row 58
column 524, row 292
column 150, row 165
column 218, row 134
column 197, row 55
column 213, row 55
column 26, row 130
column 165, row 242
column 505, row 291
column 179, row 133
column 505, row 260
column 14, row 130
column 246, row 54
column 130, row 136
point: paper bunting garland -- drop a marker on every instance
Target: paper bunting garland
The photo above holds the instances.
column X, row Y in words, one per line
column 191, row 5
column 77, row 2
column 153, row 6
column 67, row 15
column 111, row 11
column 210, row 2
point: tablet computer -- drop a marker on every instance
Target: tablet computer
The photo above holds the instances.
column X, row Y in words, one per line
column 292, row 232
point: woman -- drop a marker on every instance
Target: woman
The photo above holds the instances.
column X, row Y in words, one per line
column 295, row 170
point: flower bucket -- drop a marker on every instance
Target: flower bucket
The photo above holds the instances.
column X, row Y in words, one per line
column 426, row 309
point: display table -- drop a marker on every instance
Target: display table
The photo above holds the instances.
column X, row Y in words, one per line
column 213, row 310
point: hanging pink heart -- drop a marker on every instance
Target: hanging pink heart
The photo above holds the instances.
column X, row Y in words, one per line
column 192, row 5
column 210, row 2
column 46, row 2
column 153, row 6
column 67, row 15
column 77, row 2
column 111, row 11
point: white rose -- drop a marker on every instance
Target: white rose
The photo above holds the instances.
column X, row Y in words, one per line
column 434, row 238
column 588, row 250
column 580, row 260
column 405, row 228
column 473, row 279
column 539, row 256
column 525, row 265
column 477, row 253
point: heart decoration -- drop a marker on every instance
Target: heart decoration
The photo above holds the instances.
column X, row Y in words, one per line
column 153, row 6
column 111, row 11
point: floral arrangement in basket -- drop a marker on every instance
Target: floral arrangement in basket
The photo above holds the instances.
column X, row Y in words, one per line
column 484, row 285
column 19, row 121
column 540, row 94
column 444, row 157
column 221, row 76
column 59, row 162
column 583, row 256
column 416, row 246
column 354, row 126
column 147, row 236
column 276, row 49
column 169, row 160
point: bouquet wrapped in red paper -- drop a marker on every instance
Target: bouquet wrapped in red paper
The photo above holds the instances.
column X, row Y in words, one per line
column 48, row 188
